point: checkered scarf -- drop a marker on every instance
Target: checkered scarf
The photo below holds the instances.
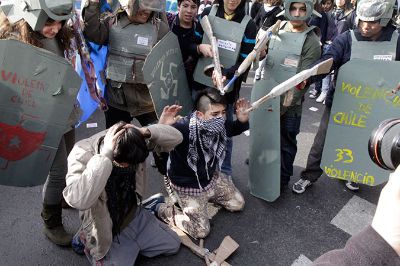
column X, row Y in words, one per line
column 211, row 135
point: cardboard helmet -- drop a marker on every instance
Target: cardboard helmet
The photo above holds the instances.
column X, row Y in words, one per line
column 132, row 6
column 37, row 12
column 309, row 9
column 375, row 10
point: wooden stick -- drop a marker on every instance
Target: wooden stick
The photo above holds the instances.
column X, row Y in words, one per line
column 203, row 252
column 321, row 68
column 227, row 247
column 205, row 23
column 260, row 45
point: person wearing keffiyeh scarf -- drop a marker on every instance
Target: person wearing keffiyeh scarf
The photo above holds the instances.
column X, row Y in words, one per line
column 194, row 166
column 211, row 135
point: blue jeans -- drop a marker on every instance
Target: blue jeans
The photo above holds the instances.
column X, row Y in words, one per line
column 226, row 167
column 326, row 82
column 290, row 127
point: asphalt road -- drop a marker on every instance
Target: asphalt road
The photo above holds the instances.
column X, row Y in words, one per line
column 293, row 230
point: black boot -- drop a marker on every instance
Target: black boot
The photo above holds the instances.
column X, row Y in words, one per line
column 53, row 227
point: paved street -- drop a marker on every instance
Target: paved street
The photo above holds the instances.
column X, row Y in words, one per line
column 294, row 230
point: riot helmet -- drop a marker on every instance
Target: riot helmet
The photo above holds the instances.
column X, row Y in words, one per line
column 309, row 9
column 132, row 6
column 37, row 12
column 375, row 10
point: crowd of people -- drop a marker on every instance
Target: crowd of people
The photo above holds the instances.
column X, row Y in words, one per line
column 104, row 176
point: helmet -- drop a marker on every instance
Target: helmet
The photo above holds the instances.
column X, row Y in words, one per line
column 131, row 6
column 309, row 7
column 37, row 12
column 374, row 10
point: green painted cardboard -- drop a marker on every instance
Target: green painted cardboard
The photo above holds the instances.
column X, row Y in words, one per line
column 38, row 92
column 265, row 139
column 164, row 74
column 361, row 102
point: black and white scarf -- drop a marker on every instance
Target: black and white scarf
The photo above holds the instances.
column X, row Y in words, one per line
column 211, row 135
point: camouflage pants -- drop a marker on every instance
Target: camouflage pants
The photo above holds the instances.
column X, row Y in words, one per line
column 192, row 216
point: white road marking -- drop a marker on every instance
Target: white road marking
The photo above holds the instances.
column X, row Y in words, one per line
column 355, row 215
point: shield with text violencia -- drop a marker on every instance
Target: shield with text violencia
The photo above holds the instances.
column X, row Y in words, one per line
column 38, row 93
column 363, row 98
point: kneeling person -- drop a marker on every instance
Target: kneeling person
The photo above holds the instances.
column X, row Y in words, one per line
column 194, row 166
column 106, row 181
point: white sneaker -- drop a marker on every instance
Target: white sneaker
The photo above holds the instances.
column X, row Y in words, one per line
column 301, row 185
column 352, row 186
column 313, row 93
column 321, row 97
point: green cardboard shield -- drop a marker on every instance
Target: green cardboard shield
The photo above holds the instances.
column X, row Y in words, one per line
column 265, row 139
column 165, row 75
column 38, row 92
column 361, row 102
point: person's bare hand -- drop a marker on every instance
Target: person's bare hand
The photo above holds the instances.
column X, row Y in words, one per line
column 301, row 85
column 169, row 114
column 242, row 106
column 214, row 79
column 143, row 130
column 112, row 135
column 386, row 221
column 205, row 50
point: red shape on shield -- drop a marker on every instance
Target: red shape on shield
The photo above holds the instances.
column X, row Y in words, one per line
column 17, row 143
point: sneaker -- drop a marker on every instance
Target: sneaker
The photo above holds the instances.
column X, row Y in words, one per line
column 321, row 97
column 301, row 185
column 313, row 93
column 151, row 203
column 352, row 186
column 77, row 245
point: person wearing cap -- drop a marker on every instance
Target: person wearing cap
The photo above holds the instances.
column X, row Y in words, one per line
column 44, row 25
column 374, row 35
column 130, row 36
column 297, row 46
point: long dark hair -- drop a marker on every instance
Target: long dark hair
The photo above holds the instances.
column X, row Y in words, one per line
column 131, row 146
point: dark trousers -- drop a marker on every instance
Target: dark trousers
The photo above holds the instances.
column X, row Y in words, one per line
column 290, row 128
column 313, row 169
column 114, row 115
column 226, row 166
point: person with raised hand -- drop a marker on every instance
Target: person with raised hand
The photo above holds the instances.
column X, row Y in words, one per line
column 106, row 181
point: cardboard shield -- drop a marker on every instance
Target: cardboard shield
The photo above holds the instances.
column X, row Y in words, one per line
column 362, row 100
column 265, row 150
column 38, row 92
column 165, row 76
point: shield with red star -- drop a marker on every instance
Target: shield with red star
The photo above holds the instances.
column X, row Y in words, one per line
column 38, row 93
